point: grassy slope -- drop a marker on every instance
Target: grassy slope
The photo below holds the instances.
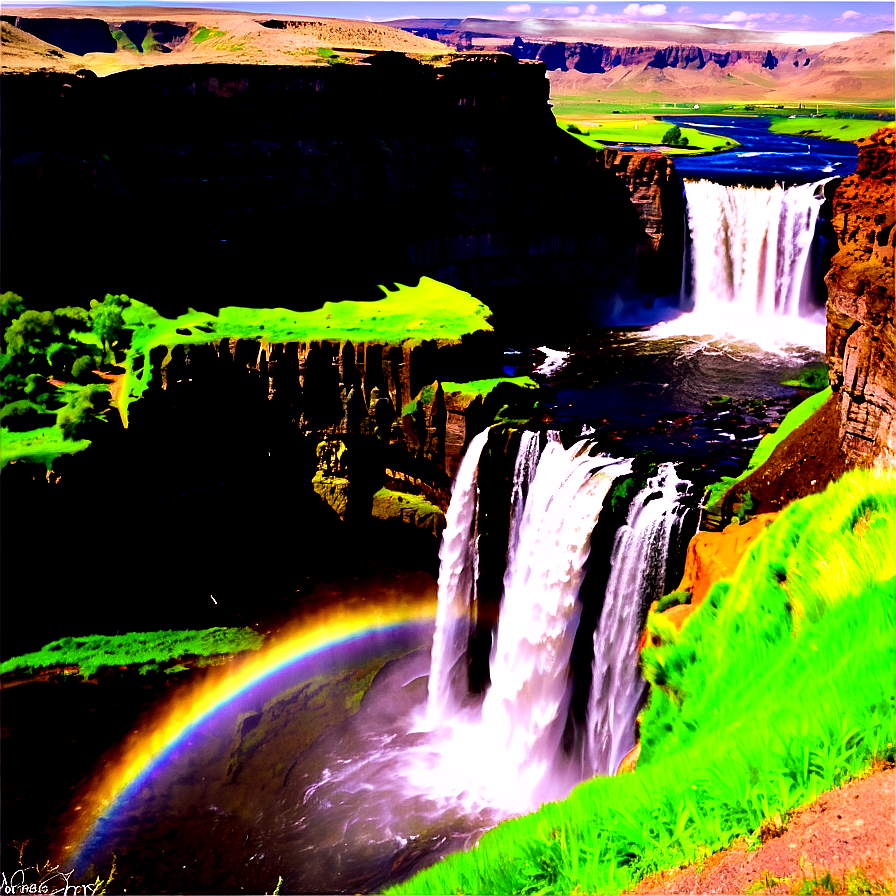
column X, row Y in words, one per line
column 796, row 418
column 93, row 651
column 430, row 310
column 808, row 621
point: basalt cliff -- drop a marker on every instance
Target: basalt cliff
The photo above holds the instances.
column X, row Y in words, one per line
column 860, row 305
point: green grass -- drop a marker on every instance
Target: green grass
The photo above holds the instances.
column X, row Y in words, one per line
column 42, row 445
column 778, row 688
column 829, row 128
column 650, row 133
column 430, row 310
column 796, row 418
column 91, row 652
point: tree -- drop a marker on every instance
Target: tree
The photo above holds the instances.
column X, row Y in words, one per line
column 31, row 331
column 11, row 305
column 107, row 320
column 673, row 137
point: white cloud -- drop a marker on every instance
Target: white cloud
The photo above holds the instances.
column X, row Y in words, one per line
column 571, row 10
column 648, row 9
column 591, row 9
column 849, row 14
column 684, row 10
column 518, row 8
column 735, row 16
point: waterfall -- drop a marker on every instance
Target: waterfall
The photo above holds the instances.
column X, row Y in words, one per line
column 524, row 712
column 458, row 561
column 750, row 245
column 750, row 250
column 523, row 471
column 637, row 577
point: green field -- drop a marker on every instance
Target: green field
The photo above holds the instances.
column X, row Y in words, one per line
column 145, row 649
column 643, row 131
column 850, row 129
column 808, row 621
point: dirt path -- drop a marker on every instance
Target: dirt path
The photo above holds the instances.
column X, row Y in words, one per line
column 843, row 843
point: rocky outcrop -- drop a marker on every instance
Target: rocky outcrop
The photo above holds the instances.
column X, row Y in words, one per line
column 657, row 195
column 711, row 557
column 860, row 334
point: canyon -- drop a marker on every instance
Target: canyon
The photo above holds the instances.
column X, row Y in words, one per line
column 266, row 467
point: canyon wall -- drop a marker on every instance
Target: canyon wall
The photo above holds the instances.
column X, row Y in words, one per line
column 260, row 185
column 860, row 335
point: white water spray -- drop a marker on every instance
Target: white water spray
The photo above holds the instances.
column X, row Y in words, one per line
column 523, row 472
column 458, row 561
column 525, row 710
column 749, row 256
column 637, row 577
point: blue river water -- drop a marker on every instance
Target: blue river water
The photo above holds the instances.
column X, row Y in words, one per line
column 763, row 157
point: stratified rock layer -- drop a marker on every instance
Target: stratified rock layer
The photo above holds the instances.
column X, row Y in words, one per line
column 860, row 339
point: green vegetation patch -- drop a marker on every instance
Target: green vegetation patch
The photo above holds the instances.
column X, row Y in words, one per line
column 413, row 509
column 480, row 388
column 407, row 314
column 813, row 376
column 829, row 127
column 203, row 34
column 650, row 132
column 796, row 418
column 42, row 445
column 93, row 651
column 779, row 688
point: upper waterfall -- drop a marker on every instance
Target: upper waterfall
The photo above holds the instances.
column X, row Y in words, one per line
column 749, row 259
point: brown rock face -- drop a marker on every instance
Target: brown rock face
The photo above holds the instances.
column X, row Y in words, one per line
column 860, row 336
column 715, row 555
column 655, row 190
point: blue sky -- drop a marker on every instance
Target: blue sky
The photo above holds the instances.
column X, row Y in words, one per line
column 763, row 15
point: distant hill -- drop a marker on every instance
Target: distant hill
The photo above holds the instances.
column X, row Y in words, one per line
column 105, row 39
column 680, row 61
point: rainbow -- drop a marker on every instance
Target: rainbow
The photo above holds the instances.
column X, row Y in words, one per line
column 147, row 748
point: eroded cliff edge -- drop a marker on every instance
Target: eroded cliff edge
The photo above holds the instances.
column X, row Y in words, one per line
column 860, row 336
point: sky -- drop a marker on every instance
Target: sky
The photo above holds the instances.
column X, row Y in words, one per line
column 859, row 16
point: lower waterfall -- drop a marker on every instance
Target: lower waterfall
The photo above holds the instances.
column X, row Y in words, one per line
column 517, row 729
column 637, row 577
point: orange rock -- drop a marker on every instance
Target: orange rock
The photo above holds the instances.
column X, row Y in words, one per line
column 678, row 614
column 630, row 760
column 715, row 555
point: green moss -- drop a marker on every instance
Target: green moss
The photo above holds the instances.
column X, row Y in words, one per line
column 413, row 509
column 779, row 687
column 149, row 648
column 408, row 314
